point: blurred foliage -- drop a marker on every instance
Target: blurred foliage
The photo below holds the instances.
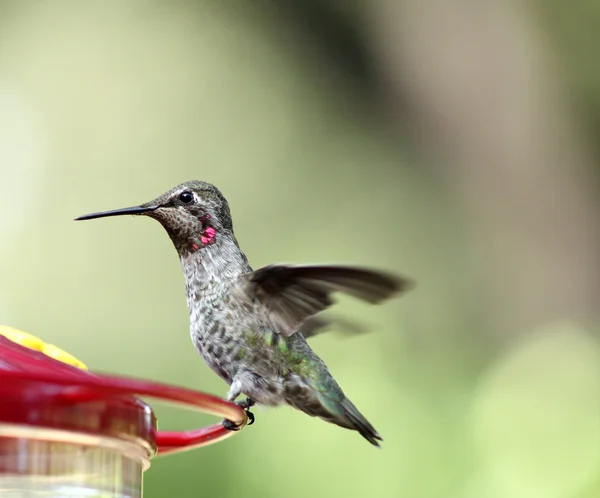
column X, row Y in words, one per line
column 572, row 31
column 105, row 104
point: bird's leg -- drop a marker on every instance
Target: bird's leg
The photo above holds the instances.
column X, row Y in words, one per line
column 234, row 391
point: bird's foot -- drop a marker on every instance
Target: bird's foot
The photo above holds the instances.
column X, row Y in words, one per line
column 230, row 426
column 245, row 405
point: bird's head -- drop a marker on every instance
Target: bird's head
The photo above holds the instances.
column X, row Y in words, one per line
column 195, row 215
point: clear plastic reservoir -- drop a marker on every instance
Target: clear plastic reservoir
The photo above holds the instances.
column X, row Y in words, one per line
column 52, row 463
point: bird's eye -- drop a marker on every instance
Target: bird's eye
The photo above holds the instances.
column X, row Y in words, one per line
column 186, row 197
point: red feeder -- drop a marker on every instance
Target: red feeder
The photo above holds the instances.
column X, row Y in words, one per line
column 67, row 432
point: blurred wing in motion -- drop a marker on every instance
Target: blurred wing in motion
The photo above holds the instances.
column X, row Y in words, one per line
column 316, row 325
column 288, row 295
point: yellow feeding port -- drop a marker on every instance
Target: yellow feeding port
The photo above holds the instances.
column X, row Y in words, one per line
column 35, row 343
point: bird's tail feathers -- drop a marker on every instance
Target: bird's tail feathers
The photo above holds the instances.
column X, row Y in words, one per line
column 359, row 423
column 346, row 415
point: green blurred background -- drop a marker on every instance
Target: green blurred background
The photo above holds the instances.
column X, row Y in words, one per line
column 454, row 142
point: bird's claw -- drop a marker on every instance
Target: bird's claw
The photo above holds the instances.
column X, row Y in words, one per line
column 245, row 405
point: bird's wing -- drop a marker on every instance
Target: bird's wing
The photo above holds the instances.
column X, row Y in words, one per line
column 316, row 325
column 287, row 295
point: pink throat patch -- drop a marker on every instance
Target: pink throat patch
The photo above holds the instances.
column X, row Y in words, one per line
column 208, row 236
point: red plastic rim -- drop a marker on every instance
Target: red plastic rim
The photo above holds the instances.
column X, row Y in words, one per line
column 34, row 388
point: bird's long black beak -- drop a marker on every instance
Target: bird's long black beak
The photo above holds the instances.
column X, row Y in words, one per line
column 118, row 212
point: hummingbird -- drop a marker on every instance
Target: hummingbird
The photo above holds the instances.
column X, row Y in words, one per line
column 251, row 326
